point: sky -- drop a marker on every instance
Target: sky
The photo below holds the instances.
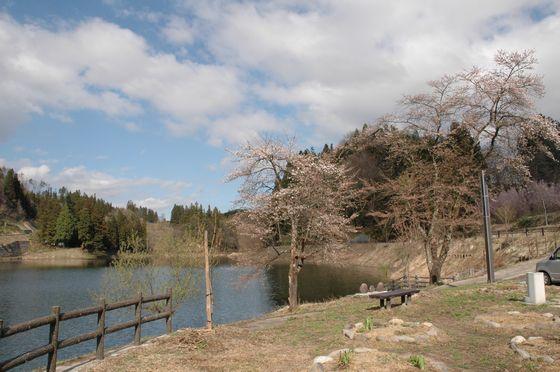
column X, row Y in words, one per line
column 141, row 100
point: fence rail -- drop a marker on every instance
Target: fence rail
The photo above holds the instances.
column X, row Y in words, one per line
column 99, row 334
column 413, row 282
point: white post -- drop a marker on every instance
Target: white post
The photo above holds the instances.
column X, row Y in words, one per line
column 535, row 289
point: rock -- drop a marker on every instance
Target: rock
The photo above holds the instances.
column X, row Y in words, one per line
column 372, row 288
column 322, row 359
column 358, row 326
column 432, row 332
column 518, row 340
column 522, row 353
column 534, row 338
column 427, row 324
column 336, row 354
column 514, row 312
column 396, row 321
column 422, row 338
column 545, row 358
column 350, row 333
column 382, row 338
column 411, row 324
column 403, row 338
column 317, row 367
column 548, row 315
column 556, row 319
column 380, row 287
column 362, row 350
column 363, row 288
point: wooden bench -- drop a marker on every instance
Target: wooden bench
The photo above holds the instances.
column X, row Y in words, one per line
column 385, row 297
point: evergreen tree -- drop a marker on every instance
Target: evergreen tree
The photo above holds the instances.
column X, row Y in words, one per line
column 85, row 228
column 65, row 227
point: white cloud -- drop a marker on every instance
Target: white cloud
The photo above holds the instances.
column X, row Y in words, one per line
column 100, row 66
column 177, row 31
column 325, row 64
column 36, row 173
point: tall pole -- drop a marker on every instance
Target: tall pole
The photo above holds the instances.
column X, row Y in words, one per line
column 487, row 232
column 208, row 283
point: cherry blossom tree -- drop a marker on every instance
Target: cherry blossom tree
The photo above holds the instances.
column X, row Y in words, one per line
column 306, row 192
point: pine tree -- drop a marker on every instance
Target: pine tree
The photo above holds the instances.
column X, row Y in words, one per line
column 85, row 228
column 65, row 227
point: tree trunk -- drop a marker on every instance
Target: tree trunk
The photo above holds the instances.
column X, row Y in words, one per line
column 293, row 273
column 435, row 271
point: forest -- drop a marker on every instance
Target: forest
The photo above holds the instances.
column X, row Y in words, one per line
column 71, row 218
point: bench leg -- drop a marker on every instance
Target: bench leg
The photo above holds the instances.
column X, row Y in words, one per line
column 408, row 298
column 381, row 303
column 403, row 300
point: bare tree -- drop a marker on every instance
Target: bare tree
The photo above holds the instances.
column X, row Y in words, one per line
column 306, row 193
column 432, row 200
column 496, row 105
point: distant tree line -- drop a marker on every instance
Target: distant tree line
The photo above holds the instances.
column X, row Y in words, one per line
column 72, row 218
column 194, row 219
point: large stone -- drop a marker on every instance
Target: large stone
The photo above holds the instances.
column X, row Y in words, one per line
column 545, row 358
column 514, row 312
column 336, row 354
column 404, row 338
column 548, row 315
column 350, row 333
column 535, row 289
column 364, row 288
column 396, row 322
column 534, row 338
column 427, row 324
column 380, row 287
column 359, row 326
column 518, row 340
column 322, row 359
column 317, row 367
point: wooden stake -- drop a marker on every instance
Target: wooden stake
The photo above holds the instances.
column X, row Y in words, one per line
column 208, row 283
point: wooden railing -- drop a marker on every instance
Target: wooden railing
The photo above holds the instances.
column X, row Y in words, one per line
column 99, row 333
column 413, row 282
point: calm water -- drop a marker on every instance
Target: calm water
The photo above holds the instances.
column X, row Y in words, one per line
column 28, row 291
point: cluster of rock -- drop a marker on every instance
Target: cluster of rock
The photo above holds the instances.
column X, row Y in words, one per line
column 391, row 332
column 364, row 288
column 523, row 353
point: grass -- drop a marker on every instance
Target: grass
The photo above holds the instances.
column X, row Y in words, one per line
column 290, row 341
column 418, row 361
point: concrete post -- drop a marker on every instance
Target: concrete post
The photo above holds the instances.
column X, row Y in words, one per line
column 535, row 289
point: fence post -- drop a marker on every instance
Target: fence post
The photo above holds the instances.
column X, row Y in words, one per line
column 53, row 338
column 169, row 303
column 542, row 231
column 416, row 284
column 138, row 318
column 100, row 350
column 526, row 232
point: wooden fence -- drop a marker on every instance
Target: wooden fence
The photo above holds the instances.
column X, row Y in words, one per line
column 99, row 333
column 412, row 282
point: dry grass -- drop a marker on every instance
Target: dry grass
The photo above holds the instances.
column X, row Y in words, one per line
column 289, row 341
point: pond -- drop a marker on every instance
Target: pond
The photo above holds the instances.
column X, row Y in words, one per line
column 28, row 291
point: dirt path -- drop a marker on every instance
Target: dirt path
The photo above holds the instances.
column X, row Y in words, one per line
column 512, row 272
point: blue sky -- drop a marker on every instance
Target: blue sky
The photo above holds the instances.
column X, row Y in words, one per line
column 138, row 100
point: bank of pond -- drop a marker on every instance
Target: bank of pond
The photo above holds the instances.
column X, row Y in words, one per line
column 29, row 289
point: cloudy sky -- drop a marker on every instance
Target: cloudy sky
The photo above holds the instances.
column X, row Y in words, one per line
column 138, row 100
